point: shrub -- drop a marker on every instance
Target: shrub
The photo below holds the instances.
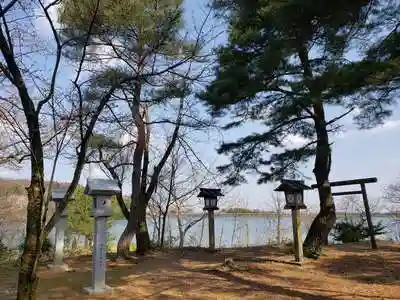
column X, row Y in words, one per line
column 349, row 232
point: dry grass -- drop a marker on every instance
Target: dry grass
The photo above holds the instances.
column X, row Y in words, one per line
column 344, row 272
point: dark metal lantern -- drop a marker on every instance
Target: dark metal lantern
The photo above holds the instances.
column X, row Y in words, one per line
column 294, row 193
column 210, row 198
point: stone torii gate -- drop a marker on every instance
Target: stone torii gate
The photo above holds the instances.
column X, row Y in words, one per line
column 363, row 192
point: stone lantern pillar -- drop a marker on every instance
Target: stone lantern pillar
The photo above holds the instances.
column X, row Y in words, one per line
column 102, row 191
column 58, row 195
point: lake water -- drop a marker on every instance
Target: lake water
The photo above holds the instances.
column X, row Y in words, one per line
column 230, row 231
column 236, row 231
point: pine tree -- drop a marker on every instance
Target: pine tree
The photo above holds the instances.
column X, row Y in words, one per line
column 144, row 37
column 287, row 61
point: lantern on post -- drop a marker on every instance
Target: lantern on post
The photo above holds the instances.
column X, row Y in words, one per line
column 294, row 196
column 102, row 191
column 58, row 195
column 210, row 204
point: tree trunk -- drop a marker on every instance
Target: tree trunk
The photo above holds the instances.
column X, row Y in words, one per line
column 164, row 221
column 278, row 229
column 180, row 229
column 326, row 218
column 131, row 228
column 181, row 239
column 27, row 278
column 141, row 196
column 201, row 232
column 170, row 192
column 125, row 240
column 142, row 233
column 159, row 228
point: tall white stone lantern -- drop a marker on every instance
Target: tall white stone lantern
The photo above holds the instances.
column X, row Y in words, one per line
column 102, row 191
column 58, row 195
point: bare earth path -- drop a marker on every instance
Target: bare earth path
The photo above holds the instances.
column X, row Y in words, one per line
column 344, row 272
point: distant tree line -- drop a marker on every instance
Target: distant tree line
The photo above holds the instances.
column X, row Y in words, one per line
column 242, row 210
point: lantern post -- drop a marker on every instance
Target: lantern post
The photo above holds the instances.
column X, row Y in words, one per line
column 57, row 196
column 294, row 196
column 210, row 204
column 102, row 191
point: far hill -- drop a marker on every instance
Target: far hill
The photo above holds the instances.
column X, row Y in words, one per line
column 13, row 203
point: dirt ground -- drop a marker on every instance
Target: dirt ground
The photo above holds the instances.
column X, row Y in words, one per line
column 343, row 272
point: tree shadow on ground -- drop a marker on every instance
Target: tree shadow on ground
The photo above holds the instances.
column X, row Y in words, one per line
column 259, row 254
column 8, row 281
column 201, row 275
column 166, row 279
column 372, row 268
column 252, row 286
column 244, row 284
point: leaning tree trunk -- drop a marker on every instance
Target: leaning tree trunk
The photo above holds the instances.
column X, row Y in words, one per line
column 141, row 195
column 142, row 233
column 326, row 218
column 126, row 238
column 137, row 226
column 131, row 228
column 27, row 278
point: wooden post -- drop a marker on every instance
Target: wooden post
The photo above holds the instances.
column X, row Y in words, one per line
column 368, row 215
column 211, row 230
column 297, row 240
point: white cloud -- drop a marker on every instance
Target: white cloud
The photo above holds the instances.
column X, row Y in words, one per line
column 387, row 126
column 294, row 141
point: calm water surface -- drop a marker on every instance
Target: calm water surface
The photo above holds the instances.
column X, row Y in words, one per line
column 230, row 231
column 235, row 231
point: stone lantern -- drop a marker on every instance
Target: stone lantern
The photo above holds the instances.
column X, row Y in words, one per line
column 102, row 191
column 58, row 195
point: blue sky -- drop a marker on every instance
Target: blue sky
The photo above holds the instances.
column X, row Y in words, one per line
column 355, row 153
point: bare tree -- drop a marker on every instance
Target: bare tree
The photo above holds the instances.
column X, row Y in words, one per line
column 278, row 205
column 353, row 227
column 392, row 197
column 38, row 98
column 22, row 85
column 352, row 205
column 185, row 227
column 163, row 199
column 12, row 148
